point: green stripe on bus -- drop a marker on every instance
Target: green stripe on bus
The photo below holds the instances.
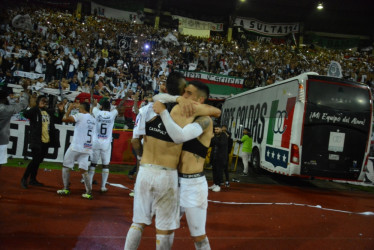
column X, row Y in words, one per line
column 273, row 111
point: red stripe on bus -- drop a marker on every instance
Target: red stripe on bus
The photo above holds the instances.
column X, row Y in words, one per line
column 288, row 122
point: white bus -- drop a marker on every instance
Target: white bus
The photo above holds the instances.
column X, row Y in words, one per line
column 309, row 125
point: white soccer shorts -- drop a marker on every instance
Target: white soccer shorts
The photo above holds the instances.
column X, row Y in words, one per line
column 156, row 193
column 103, row 154
column 72, row 156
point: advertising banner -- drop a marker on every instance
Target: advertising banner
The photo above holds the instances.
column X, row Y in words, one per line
column 18, row 143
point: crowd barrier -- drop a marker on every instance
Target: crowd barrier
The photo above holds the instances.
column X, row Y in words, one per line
column 18, row 146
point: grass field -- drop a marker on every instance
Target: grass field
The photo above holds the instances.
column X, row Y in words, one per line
column 13, row 162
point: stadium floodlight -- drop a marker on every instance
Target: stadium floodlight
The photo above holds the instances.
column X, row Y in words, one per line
column 320, row 6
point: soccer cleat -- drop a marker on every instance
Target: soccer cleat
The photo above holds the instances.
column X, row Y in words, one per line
column 104, row 190
column 132, row 194
column 244, row 174
column 216, row 189
column 87, row 196
column 227, row 184
column 213, row 186
column 63, row 192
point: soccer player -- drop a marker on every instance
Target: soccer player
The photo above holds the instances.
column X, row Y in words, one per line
column 196, row 137
column 156, row 188
column 80, row 148
column 103, row 139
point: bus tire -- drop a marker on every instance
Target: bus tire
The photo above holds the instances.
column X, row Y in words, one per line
column 256, row 161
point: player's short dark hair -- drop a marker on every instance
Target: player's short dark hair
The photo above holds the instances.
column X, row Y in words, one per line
column 175, row 83
column 202, row 88
column 86, row 106
column 106, row 105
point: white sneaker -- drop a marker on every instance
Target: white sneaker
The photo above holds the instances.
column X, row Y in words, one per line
column 104, row 189
column 213, row 186
column 216, row 189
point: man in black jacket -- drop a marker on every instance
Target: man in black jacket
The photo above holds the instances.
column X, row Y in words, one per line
column 218, row 157
column 43, row 135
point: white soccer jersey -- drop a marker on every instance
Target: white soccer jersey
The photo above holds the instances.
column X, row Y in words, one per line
column 146, row 113
column 104, row 127
column 84, row 132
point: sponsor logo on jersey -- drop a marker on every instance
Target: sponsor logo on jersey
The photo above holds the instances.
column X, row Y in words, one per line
column 158, row 129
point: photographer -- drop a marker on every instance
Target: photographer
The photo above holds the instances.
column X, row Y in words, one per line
column 42, row 136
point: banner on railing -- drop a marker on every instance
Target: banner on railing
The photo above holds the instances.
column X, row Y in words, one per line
column 268, row 29
column 189, row 23
column 29, row 75
column 18, row 143
column 122, row 15
column 209, row 78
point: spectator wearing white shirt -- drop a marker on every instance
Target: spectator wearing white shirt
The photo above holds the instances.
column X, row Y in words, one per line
column 59, row 67
column 39, row 61
column 75, row 60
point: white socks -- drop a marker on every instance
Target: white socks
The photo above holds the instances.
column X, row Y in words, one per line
column 87, row 183
column 164, row 241
column 66, row 177
column 91, row 173
column 134, row 235
column 104, row 177
column 203, row 245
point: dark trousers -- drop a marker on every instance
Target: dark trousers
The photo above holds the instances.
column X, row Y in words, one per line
column 217, row 172
column 59, row 74
column 226, row 171
column 37, row 153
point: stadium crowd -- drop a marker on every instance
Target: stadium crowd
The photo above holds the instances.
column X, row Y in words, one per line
column 80, row 55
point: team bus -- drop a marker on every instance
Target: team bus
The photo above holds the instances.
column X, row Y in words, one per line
column 309, row 125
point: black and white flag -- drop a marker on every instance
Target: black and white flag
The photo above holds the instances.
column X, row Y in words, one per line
column 124, row 42
column 335, row 70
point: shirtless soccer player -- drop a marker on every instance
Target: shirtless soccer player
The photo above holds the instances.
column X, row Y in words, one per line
column 156, row 188
column 193, row 185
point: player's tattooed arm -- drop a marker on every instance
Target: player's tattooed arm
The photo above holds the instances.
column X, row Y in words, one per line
column 203, row 121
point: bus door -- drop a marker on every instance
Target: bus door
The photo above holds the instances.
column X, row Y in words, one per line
column 336, row 129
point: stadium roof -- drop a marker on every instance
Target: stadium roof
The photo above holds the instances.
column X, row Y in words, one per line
column 338, row 16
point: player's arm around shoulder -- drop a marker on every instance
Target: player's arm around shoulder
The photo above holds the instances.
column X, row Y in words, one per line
column 179, row 118
column 205, row 122
column 207, row 110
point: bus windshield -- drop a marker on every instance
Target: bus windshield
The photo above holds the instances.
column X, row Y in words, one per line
column 336, row 132
column 338, row 104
